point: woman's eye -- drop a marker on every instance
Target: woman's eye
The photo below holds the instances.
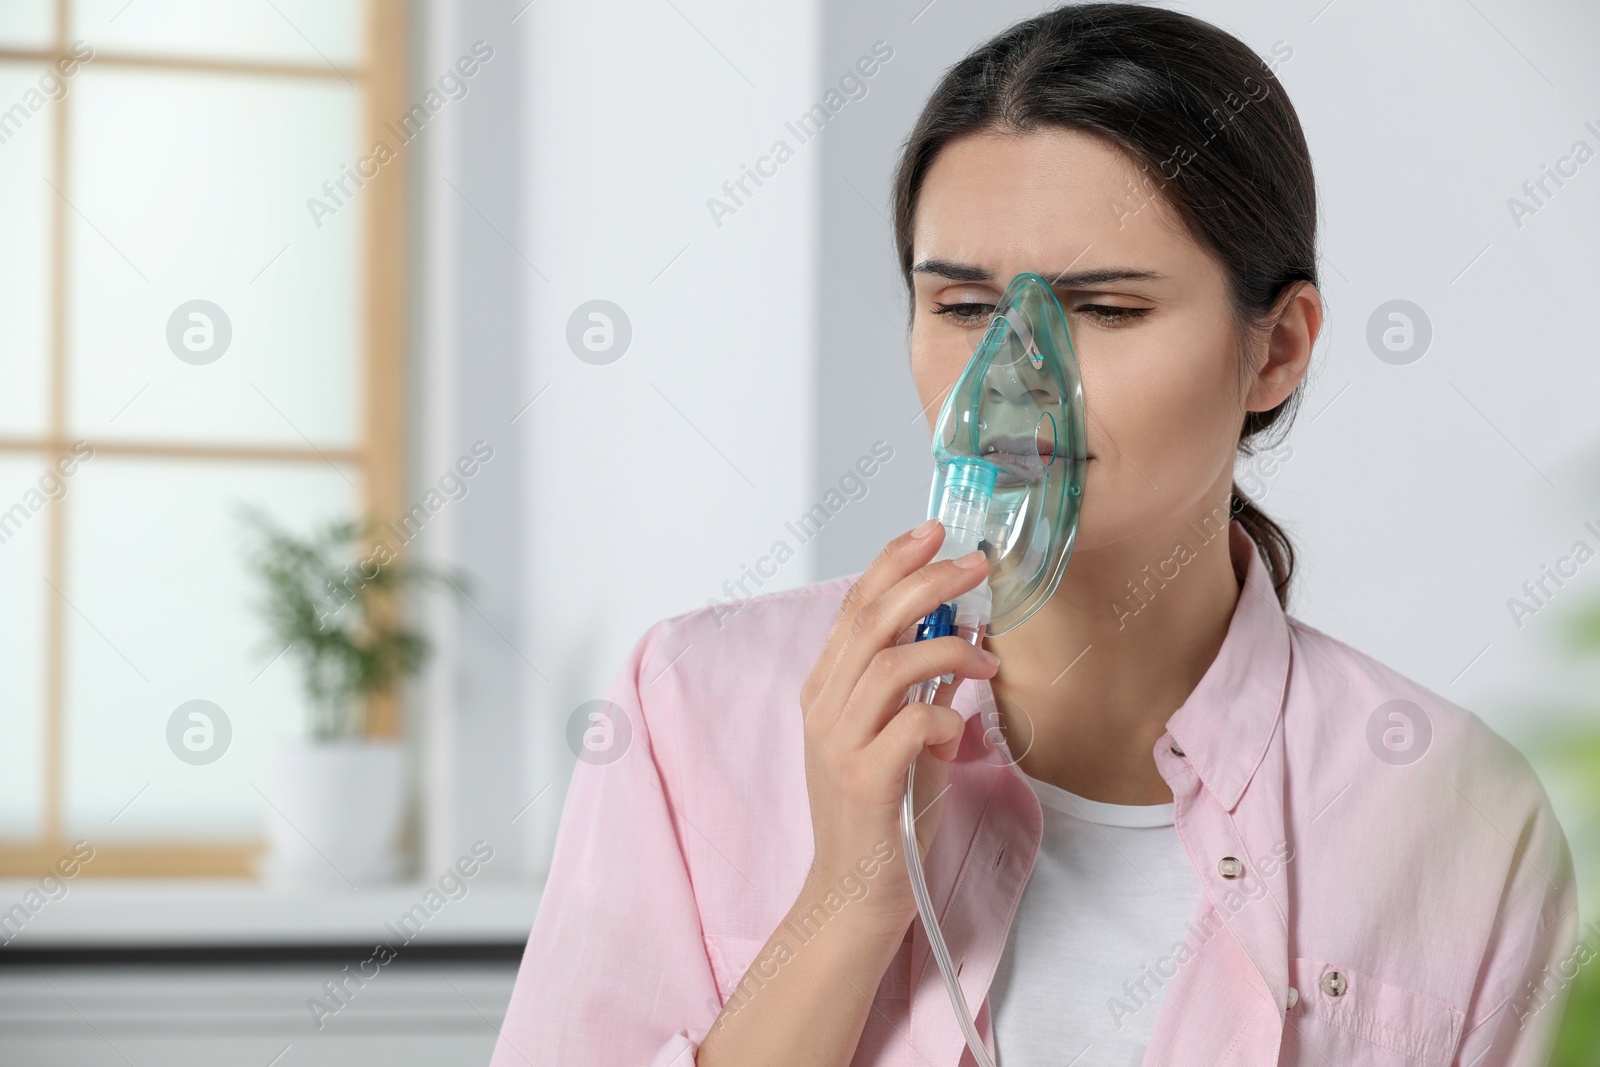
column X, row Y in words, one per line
column 1108, row 315
column 966, row 314
column 971, row 314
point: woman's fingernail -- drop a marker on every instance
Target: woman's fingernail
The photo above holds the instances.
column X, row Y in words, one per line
column 925, row 530
column 989, row 657
column 971, row 560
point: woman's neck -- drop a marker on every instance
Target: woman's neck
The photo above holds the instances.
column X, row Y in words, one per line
column 1087, row 685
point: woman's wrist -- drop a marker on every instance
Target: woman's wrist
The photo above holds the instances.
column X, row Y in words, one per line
column 794, row 1001
column 872, row 891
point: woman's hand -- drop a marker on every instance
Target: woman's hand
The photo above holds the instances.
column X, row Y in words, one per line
column 860, row 741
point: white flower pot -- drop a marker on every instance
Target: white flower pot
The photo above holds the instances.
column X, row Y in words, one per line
column 333, row 814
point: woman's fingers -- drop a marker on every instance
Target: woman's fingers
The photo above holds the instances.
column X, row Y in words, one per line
column 913, row 728
column 899, row 557
column 877, row 696
column 880, row 623
column 886, row 620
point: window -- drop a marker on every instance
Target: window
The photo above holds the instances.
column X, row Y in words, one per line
column 204, row 310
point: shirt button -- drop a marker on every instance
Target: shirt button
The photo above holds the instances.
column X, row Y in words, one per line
column 1294, row 996
column 1334, row 984
column 1177, row 749
column 1229, row 867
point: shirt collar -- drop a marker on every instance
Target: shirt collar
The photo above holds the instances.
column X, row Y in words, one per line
column 1226, row 724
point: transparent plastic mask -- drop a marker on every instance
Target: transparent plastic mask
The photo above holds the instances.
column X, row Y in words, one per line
column 1018, row 408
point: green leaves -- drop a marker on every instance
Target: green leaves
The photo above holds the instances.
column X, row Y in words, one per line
column 330, row 601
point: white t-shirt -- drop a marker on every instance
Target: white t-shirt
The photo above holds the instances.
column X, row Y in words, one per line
column 1111, row 894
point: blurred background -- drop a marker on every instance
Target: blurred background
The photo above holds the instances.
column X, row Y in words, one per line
column 344, row 343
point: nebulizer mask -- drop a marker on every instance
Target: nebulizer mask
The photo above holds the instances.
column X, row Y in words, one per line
column 1009, row 453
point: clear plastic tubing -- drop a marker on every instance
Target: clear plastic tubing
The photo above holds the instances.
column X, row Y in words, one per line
column 964, row 511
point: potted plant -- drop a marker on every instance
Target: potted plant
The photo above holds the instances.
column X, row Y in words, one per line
column 336, row 800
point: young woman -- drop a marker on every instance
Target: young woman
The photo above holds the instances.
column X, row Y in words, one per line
column 1184, row 828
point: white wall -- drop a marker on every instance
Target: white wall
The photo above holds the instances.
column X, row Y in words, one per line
column 650, row 480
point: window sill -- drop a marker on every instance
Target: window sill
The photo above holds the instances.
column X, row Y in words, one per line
column 115, row 913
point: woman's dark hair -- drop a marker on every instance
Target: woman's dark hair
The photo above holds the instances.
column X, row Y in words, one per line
column 1211, row 128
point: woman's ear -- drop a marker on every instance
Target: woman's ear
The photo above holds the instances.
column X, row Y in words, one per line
column 1287, row 348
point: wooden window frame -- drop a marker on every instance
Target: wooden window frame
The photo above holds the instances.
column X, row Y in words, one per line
column 383, row 80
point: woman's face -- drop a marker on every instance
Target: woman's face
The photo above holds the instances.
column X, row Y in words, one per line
column 1146, row 307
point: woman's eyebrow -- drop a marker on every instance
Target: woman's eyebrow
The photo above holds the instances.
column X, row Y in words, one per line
column 1070, row 279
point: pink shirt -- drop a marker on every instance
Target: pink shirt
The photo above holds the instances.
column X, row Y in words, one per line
column 1385, row 883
